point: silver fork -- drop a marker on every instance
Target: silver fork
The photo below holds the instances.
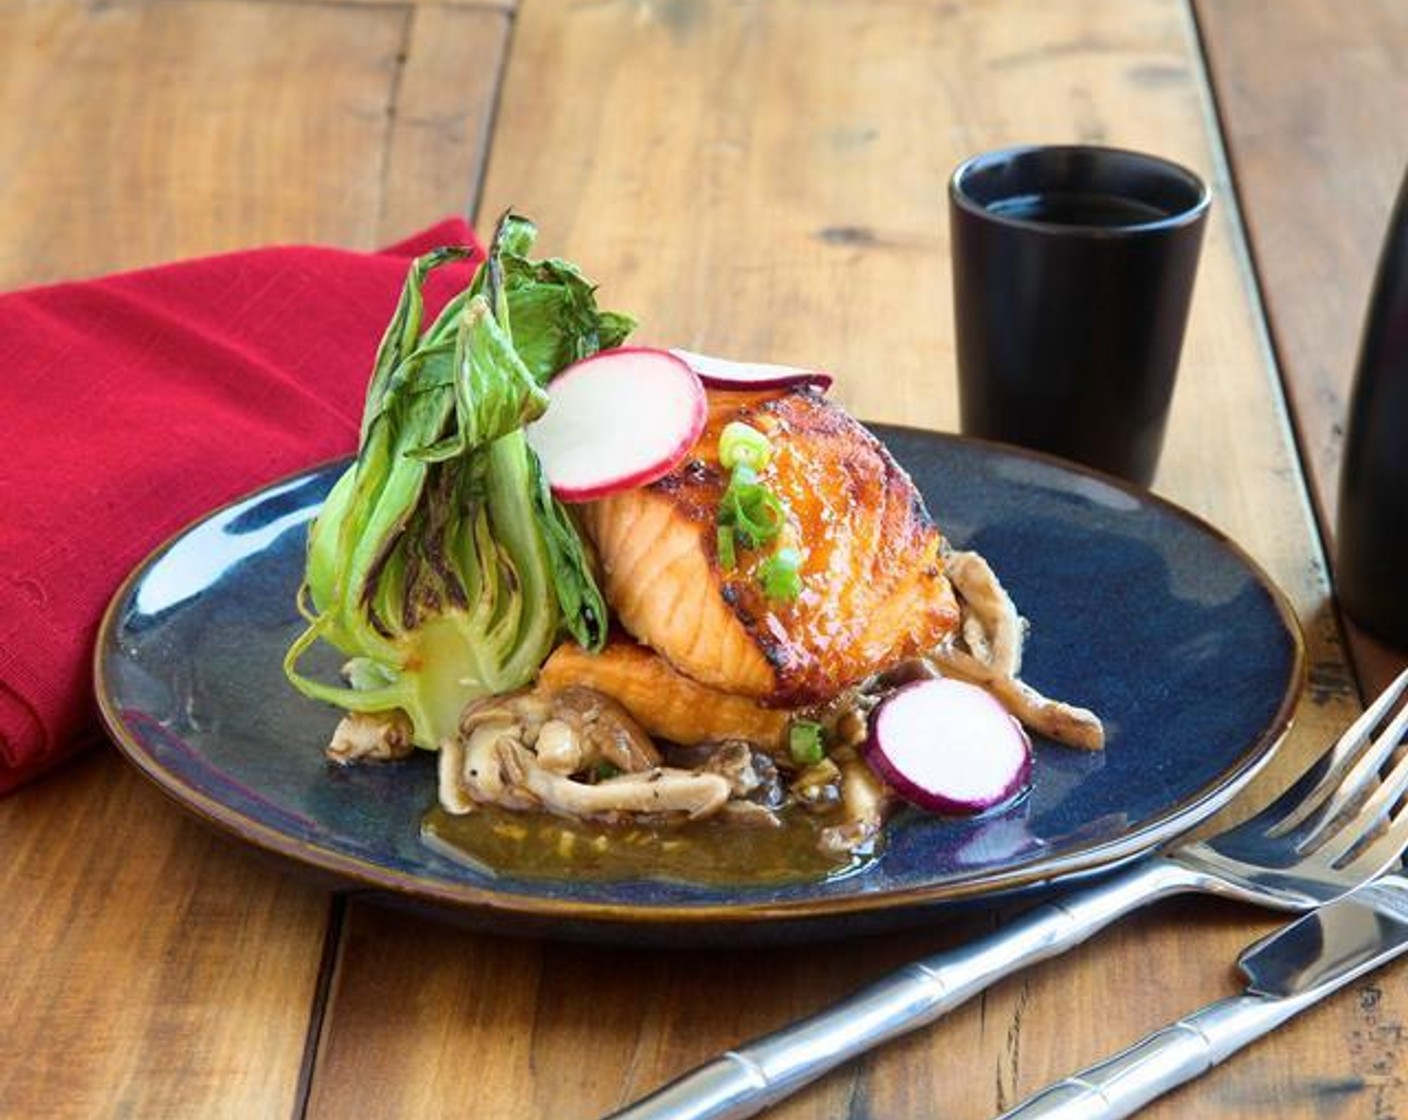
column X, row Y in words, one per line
column 1339, row 825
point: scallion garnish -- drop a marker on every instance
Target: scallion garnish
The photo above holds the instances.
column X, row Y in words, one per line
column 728, row 559
column 781, row 574
column 742, row 476
column 750, row 514
column 754, row 511
column 805, row 742
column 743, row 445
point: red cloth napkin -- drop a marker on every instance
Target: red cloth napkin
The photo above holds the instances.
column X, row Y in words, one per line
column 135, row 403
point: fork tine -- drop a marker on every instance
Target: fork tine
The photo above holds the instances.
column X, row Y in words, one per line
column 1354, row 829
column 1362, row 787
column 1335, row 766
column 1381, row 853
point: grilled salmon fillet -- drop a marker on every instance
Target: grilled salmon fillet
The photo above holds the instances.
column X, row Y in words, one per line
column 874, row 590
column 666, row 703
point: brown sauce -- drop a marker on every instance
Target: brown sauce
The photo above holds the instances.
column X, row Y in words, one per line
column 716, row 853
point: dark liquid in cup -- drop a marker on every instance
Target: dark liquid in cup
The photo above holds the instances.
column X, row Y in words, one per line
column 1059, row 209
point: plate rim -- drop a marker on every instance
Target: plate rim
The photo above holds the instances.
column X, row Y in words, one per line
column 1157, row 831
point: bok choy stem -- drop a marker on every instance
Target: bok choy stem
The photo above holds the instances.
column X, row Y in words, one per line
column 440, row 563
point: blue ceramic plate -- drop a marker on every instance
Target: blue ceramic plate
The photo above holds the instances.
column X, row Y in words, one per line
column 1137, row 610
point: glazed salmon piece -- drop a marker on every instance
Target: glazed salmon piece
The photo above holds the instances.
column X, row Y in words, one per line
column 666, row 703
column 874, row 590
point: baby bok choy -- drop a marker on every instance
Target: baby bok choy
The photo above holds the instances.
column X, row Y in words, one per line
column 440, row 564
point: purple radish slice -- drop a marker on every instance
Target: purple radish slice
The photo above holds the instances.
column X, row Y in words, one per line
column 617, row 420
column 724, row 373
column 949, row 747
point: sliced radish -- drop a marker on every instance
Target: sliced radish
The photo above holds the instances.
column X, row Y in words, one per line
column 949, row 746
column 617, row 420
column 724, row 373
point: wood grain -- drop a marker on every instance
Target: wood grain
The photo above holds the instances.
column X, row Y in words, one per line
column 1311, row 96
column 1311, row 99
column 441, row 114
column 153, row 130
column 151, row 968
column 767, row 180
column 424, row 1017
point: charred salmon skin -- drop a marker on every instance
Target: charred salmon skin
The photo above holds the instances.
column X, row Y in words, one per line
column 873, row 589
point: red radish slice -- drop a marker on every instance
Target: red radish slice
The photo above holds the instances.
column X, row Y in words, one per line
column 949, row 746
column 617, row 420
column 723, row 373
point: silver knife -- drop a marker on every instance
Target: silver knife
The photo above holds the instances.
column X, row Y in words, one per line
column 1286, row 972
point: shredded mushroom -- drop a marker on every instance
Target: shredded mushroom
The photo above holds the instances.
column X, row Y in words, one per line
column 377, row 735
column 992, row 628
column 993, row 633
column 527, row 750
column 867, row 801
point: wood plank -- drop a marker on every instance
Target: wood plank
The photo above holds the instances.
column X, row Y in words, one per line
column 442, row 116
column 425, row 1017
column 767, row 180
column 1311, row 98
column 421, row 5
column 152, row 968
column 154, row 130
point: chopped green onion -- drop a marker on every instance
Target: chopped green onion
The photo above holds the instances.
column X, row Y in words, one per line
column 804, row 743
column 743, row 476
column 743, row 445
column 728, row 559
column 750, row 515
column 755, row 512
column 780, row 574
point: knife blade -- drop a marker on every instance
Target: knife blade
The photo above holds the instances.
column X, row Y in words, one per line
column 1285, row 972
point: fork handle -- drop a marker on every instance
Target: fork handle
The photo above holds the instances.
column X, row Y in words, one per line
column 744, row 1081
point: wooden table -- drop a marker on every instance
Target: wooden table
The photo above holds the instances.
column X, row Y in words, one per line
column 753, row 178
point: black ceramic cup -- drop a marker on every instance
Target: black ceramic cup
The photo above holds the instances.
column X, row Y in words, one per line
column 1073, row 269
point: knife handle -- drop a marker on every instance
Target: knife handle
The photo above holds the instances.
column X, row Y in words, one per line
column 744, row 1081
column 1178, row 1053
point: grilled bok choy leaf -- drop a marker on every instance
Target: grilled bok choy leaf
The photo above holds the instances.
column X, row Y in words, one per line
column 440, row 563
